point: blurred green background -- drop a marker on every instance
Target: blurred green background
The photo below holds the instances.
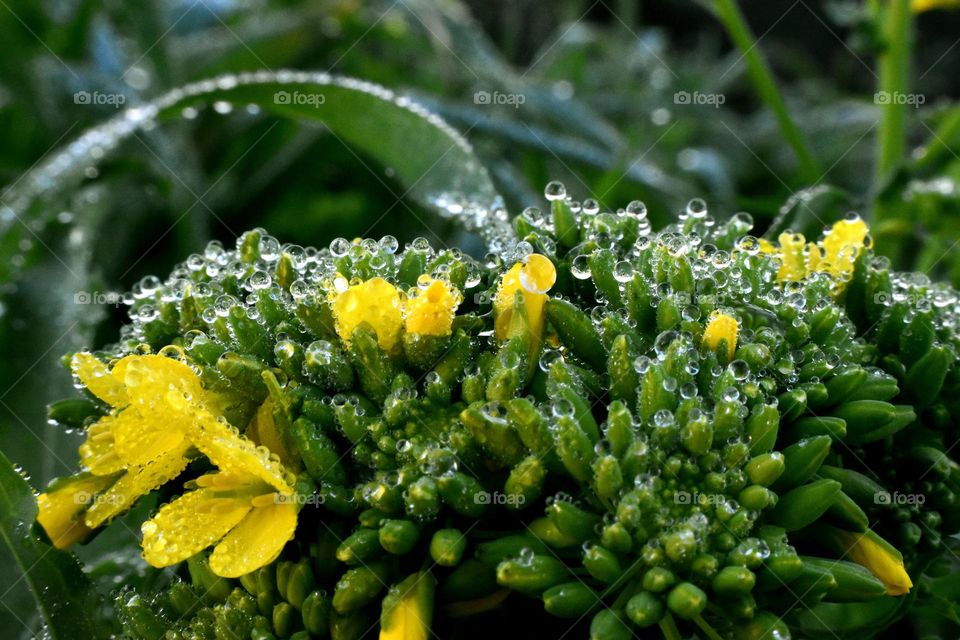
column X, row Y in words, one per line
column 602, row 86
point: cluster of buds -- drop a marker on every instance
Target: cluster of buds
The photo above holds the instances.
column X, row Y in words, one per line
column 634, row 428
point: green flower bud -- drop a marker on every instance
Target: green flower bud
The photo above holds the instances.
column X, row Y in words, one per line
column 645, row 609
column 359, row 586
column 531, row 574
column 602, row 564
column 572, row 520
column 734, row 581
column 801, row 461
column 300, row 582
column 447, row 547
column 462, row 493
column 360, row 546
column 609, row 625
column 285, row 619
column 315, row 611
column 658, row 579
column 804, row 505
column 398, row 536
column 765, row 469
column 687, row 600
column 525, row 482
column 570, row 599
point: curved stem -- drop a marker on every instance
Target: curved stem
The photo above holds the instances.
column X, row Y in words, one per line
column 728, row 12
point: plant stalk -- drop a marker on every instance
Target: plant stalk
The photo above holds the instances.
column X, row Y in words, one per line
column 730, row 15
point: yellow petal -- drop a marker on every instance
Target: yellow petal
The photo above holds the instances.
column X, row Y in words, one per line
column 156, row 382
column 408, row 608
column 721, row 327
column 60, row 510
column 884, row 562
column 430, row 312
column 233, row 453
column 375, row 302
column 256, row 541
column 136, row 482
column 95, row 376
column 533, row 278
column 97, row 452
column 190, row 524
column 793, row 262
column 139, row 439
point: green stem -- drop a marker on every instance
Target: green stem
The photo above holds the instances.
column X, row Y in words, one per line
column 707, row 629
column 896, row 20
column 669, row 628
column 894, row 66
column 764, row 84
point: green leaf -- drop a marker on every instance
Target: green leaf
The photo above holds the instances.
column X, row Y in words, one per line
column 435, row 164
column 64, row 595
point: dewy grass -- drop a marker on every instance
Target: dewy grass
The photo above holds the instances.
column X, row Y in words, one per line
column 610, row 426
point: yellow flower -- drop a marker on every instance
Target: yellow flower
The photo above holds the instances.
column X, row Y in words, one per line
column 841, row 245
column 248, row 508
column 721, row 328
column 143, row 443
column 533, row 278
column 873, row 552
column 61, row 508
column 430, row 311
column 834, row 254
column 375, row 302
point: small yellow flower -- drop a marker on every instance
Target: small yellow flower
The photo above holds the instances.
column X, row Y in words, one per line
column 430, row 311
column 834, row 254
column 375, row 302
column 841, row 245
column 873, row 552
column 533, row 278
column 721, row 328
